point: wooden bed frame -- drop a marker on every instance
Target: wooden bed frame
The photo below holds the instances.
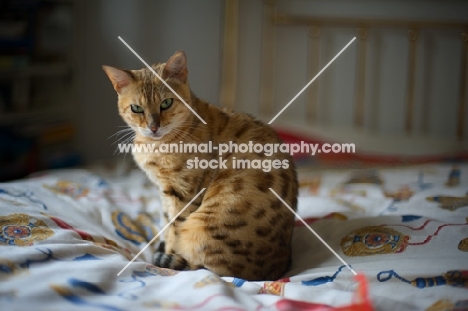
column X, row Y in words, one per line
column 412, row 143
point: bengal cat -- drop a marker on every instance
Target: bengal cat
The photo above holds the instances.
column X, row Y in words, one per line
column 237, row 226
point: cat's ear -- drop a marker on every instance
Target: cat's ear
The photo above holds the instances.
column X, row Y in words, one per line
column 120, row 78
column 176, row 67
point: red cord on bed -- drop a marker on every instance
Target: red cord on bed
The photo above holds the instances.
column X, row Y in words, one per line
column 361, row 301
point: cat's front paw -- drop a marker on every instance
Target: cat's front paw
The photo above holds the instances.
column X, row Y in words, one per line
column 162, row 259
column 170, row 261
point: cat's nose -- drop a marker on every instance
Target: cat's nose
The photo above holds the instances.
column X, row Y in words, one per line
column 153, row 127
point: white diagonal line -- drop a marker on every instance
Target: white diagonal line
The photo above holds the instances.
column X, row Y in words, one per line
column 162, row 230
column 316, row 76
column 165, row 83
column 315, row 233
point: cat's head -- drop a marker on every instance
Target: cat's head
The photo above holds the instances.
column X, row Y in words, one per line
column 146, row 104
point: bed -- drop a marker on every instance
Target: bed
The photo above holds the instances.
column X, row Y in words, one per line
column 66, row 234
column 396, row 210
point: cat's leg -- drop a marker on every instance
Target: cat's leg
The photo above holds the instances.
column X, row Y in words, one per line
column 164, row 256
column 165, row 247
column 161, row 246
column 167, row 255
column 173, row 261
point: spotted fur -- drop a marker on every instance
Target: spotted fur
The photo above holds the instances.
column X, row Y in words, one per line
column 236, row 227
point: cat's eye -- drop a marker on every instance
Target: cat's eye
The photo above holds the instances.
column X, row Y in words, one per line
column 166, row 103
column 136, row 109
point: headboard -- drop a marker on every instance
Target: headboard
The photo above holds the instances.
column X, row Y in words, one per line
column 399, row 89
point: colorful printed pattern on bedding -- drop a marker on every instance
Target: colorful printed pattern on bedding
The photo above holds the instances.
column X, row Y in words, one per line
column 66, row 237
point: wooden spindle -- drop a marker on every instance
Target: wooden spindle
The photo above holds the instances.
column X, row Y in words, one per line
column 359, row 98
column 267, row 78
column 230, row 54
column 313, row 62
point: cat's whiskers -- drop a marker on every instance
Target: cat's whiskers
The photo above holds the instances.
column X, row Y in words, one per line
column 181, row 131
column 130, row 139
column 176, row 132
column 185, row 138
column 124, row 137
column 184, row 135
column 120, row 132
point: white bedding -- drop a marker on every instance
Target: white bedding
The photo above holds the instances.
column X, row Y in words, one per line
column 64, row 236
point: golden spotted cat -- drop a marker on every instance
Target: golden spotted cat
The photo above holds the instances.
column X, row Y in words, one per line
column 237, row 226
